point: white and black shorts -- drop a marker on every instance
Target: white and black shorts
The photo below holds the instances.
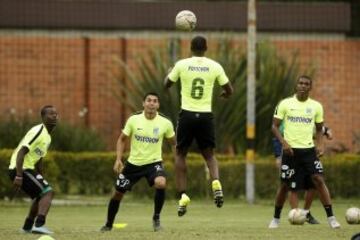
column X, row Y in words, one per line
column 131, row 174
column 33, row 184
column 297, row 170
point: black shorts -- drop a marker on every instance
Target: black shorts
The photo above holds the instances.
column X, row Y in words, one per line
column 131, row 174
column 198, row 125
column 33, row 184
column 297, row 170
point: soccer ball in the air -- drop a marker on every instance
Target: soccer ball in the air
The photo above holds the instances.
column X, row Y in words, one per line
column 185, row 20
column 297, row 216
column 352, row 215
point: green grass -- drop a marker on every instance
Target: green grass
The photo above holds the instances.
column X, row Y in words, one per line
column 236, row 220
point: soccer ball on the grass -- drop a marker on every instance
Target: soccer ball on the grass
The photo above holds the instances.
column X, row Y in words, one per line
column 352, row 215
column 45, row 237
column 185, row 20
column 297, row 216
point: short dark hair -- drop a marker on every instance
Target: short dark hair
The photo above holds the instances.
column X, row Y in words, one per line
column 152, row 94
column 198, row 44
column 44, row 108
column 306, row 77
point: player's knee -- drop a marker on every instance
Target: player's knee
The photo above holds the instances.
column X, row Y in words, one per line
column 317, row 179
column 50, row 194
column 181, row 152
column 118, row 195
column 180, row 164
column 160, row 182
column 208, row 154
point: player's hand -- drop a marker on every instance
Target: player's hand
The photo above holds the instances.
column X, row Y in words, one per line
column 225, row 95
column 18, row 182
column 329, row 134
column 319, row 151
column 118, row 166
column 287, row 150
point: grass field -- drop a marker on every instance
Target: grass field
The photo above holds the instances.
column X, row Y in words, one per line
column 236, row 220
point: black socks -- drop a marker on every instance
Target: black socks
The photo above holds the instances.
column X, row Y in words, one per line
column 113, row 208
column 158, row 201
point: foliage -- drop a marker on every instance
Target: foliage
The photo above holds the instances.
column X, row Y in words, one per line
column 71, row 138
column 276, row 75
column 13, row 130
column 91, row 173
column 65, row 137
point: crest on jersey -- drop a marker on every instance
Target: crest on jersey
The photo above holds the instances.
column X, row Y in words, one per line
column 156, row 131
column 308, row 110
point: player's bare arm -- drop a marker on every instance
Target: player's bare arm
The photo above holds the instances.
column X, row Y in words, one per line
column 120, row 145
column 275, row 130
column 39, row 166
column 172, row 142
column 319, row 139
column 227, row 90
column 19, row 166
column 168, row 83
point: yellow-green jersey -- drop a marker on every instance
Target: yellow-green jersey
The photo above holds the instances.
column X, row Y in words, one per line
column 37, row 140
column 299, row 120
column 146, row 137
column 197, row 76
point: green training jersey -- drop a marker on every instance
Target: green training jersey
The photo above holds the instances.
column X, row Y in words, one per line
column 197, row 76
column 299, row 120
column 146, row 137
column 37, row 140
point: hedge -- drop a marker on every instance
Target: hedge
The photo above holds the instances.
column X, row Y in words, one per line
column 91, row 174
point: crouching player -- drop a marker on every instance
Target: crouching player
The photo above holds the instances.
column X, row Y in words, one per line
column 146, row 131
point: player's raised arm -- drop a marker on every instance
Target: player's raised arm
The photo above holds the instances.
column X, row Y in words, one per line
column 169, row 82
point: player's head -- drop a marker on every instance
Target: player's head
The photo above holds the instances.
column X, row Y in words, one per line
column 49, row 115
column 151, row 102
column 303, row 85
column 198, row 45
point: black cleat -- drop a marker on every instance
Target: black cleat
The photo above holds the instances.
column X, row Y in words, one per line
column 105, row 229
column 218, row 198
column 310, row 219
column 181, row 211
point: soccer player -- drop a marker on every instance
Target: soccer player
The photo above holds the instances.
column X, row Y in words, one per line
column 146, row 131
column 25, row 170
column 300, row 115
column 283, row 190
column 197, row 75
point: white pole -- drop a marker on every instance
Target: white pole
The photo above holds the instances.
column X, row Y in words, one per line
column 250, row 105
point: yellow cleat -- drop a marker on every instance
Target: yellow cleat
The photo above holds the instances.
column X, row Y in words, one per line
column 183, row 202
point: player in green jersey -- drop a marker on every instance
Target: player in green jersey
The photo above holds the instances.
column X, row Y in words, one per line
column 300, row 115
column 25, row 170
column 146, row 131
column 197, row 75
column 283, row 189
